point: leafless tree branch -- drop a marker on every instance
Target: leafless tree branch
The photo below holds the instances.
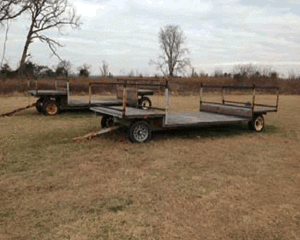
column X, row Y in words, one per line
column 104, row 69
column 10, row 9
column 4, row 45
column 45, row 15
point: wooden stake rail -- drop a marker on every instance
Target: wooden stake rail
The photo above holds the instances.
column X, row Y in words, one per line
column 17, row 110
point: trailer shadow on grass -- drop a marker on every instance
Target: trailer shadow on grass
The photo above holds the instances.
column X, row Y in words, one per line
column 212, row 132
column 76, row 112
column 203, row 133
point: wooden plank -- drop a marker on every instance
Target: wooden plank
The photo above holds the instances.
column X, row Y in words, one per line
column 85, row 103
column 225, row 109
column 107, row 111
column 94, row 134
column 144, row 92
column 47, row 93
column 264, row 109
column 131, row 112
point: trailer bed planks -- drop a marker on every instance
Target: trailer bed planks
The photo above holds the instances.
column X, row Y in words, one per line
column 200, row 119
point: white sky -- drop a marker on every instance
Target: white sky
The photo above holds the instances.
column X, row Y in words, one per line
column 220, row 34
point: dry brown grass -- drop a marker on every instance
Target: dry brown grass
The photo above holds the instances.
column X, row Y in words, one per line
column 217, row 183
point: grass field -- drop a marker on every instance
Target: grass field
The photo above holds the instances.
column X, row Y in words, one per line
column 216, row 183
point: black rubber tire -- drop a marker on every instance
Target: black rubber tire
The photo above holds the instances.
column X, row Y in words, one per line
column 51, row 108
column 139, row 132
column 145, row 103
column 107, row 121
column 257, row 124
column 39, row 105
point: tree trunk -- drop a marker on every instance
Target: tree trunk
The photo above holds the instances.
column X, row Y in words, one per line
column 171, row 69
column 25, row 49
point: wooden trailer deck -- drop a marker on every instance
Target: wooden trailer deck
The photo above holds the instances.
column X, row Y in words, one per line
column 209, row 114
column 141, row 122
column 171, row 119
column 189, row 119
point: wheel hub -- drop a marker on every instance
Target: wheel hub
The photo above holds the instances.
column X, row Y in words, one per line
column 259, row 123
column 51, row 109
column 141, row 133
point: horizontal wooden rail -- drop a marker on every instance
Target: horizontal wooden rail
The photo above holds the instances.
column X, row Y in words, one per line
column 128, row 84
column 236, row 102
column 264, row 105
column 238, row 87
column 230, row 105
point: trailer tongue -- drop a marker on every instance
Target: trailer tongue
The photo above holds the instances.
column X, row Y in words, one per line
column 17, row 110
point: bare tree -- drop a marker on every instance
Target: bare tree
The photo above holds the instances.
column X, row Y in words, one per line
column 218, row 72
column 194, row 73
column 84, row 70
column 63, row 68
column 292, row 75
column 104, row 69
column 131, row 73
column 45, row 15
column 10, row 9
column 172, row 60
column 4, row 45
column 245, row 70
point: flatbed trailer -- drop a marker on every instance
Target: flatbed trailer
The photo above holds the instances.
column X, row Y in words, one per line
column 141, row 122
column 52, row 101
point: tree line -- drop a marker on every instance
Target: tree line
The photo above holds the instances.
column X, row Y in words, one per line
column 62, row 69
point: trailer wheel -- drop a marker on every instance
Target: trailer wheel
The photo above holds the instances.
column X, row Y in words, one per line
column 39, row 105
column 257, row 124
column 51, row 108
column 107, row 121
column 140, row 132
column 145, row 103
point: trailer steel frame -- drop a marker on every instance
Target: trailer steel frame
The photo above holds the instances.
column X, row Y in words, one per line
column 52, row 101
column 141, row 122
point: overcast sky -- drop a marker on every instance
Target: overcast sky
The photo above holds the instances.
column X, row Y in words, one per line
column 219, row 34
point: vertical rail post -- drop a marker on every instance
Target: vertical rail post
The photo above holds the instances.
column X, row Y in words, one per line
column 277, row 100
column 166, row 101
column 223, row 95
column 201, row 93
column 68, row 92
column 28, row 86
column 253, row 99
column 90, row 94
column 55, row 84
column 36, row 86
column 124, row 100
